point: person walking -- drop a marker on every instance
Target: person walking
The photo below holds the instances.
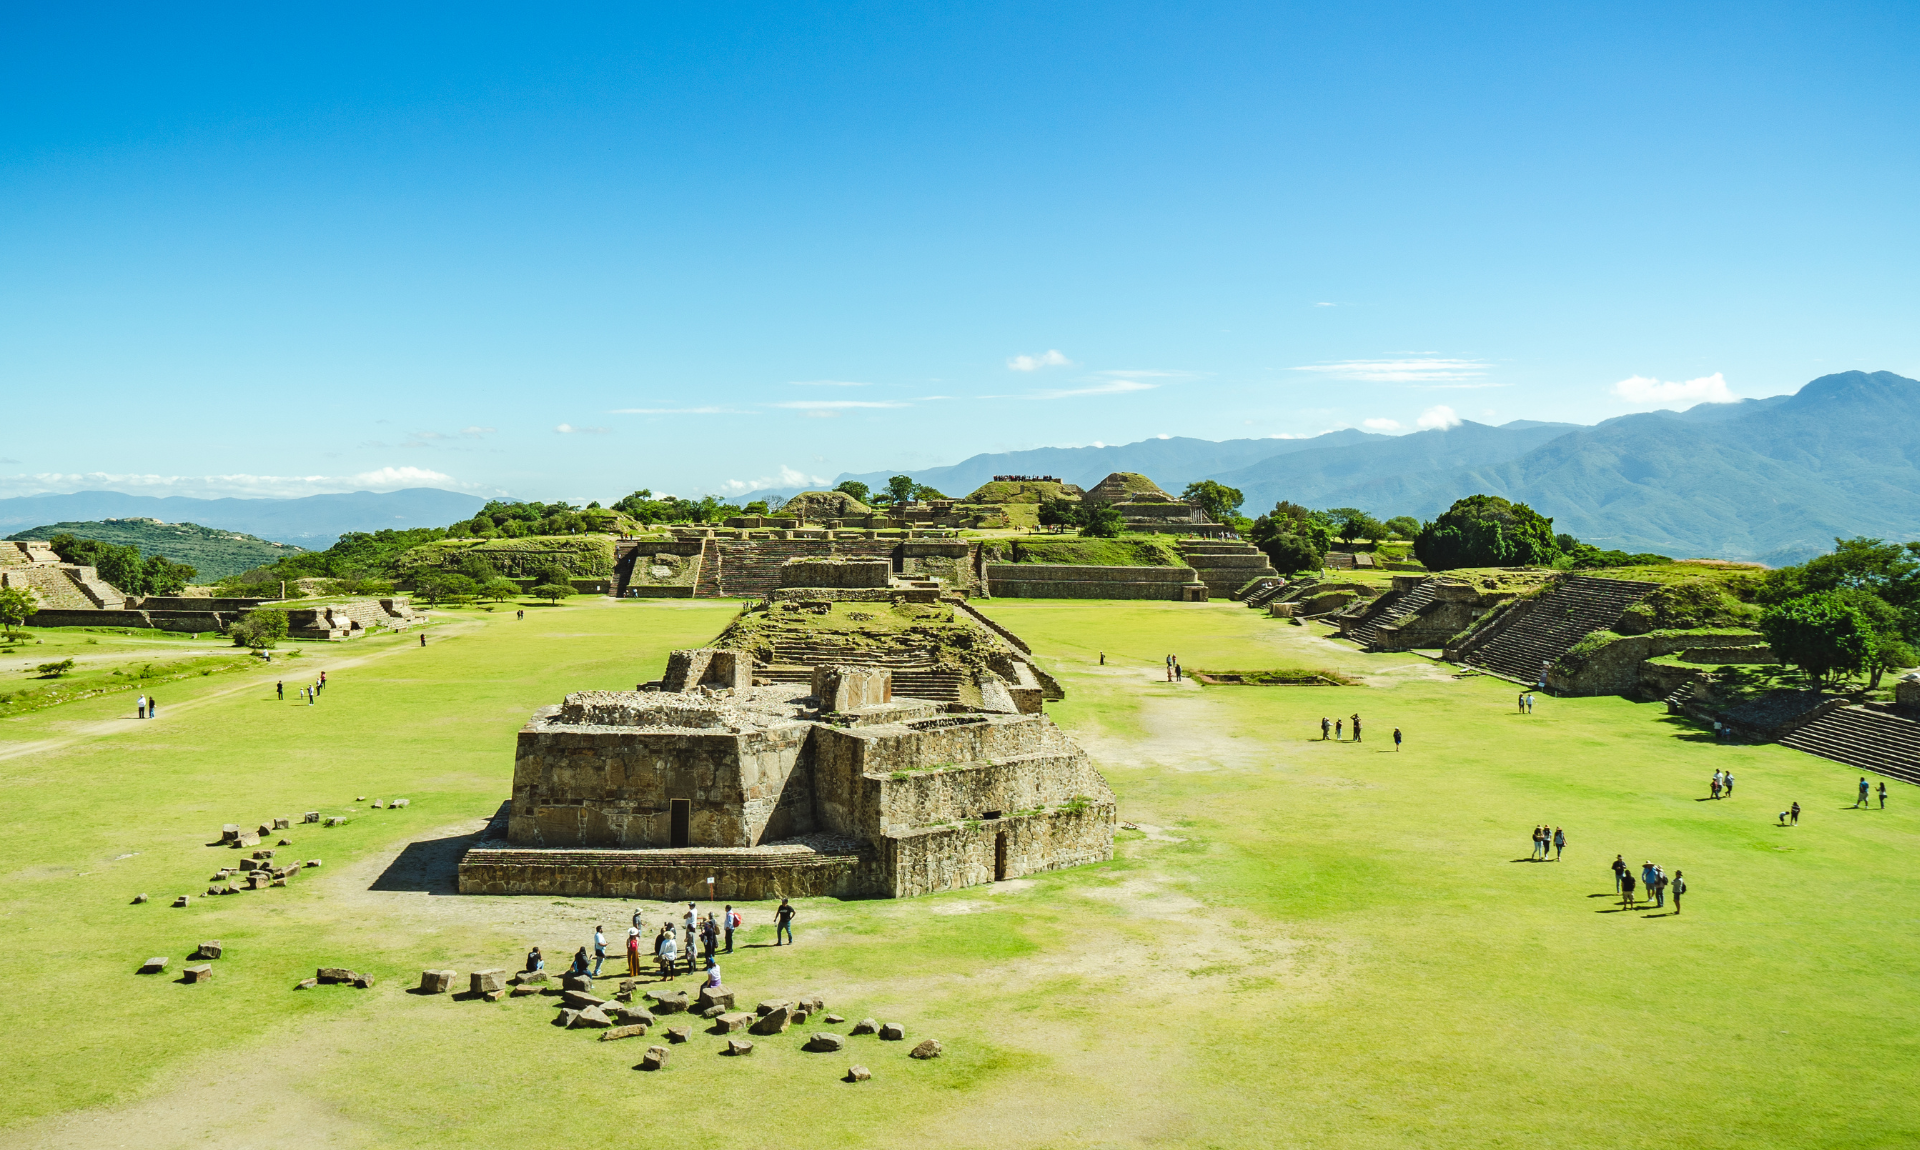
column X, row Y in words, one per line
column 599, row 950
column 1520, row 702
column 140, row 708
column 638, row 922
column 732, row 921
column 1169, row 668
column 153, row 707
column 1679, row 888
column 633, row 952
column 1726, row 785
column 1626, row 889
column 1559, row 843
column 1862, row 800
column 423, row 638
column 1326, row 728
column 1795, row 809
column 310, row 697
column 1713, row 788
column 280, row 691
column 1103, row 658
column 1339, row 730
column 1883, row 794
column 709, row 938
column 1619, row 870
column 1396, row 738
column 1659, row 888
column 1356, row 727
column 1535, row 853
column 783, row 922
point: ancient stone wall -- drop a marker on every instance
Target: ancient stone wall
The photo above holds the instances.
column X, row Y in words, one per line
column 1068, row 581
column 761, row 875
column 968, row 854
column 1615, row 667
column 818, row 572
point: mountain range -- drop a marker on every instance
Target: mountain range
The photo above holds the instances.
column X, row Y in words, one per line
column 1772, row 480
column 312, row 521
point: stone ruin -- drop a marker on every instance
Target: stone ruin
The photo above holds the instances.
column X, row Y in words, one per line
column 824, row 780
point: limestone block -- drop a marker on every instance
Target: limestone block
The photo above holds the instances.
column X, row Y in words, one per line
column 592, row 1018
column 774, row 1021
column 282, row 824
column 927, row 1049
column 892, row 1032
column 834, row 1020
column 494, row 995
column 798, row 1016
column 713, row 1012
column 249, row 864
column 524, row 991
column 180, row 901
column 565, row 1019
column 336, row 821
column 437, row 981
column 248, row 839
column 770, row 1005
column 139, row 898
column 865, row 1026
column 306, row 984
column 200, row 973
column 155, row 965
column 279, row 880
column 230, row 832
column 736, row 1020
column 633, row 1030
column 313, row 862
column 656, row 1057
column 484, row 981
column 527, row 977
column 714, row 996
column 668, row 1001
column 679, row 1033
column 332, row 974
column 377, row 804
column 813, row 1005
column 310, row 817
column 825, row 1042
column 398, row 803
column 576, row 982
column 858, row 1074
column 624, row 1012
column 207, row 950
column 580, row 999
column 264, row 853
column 739, row 1046
column 845, row 688
column 363, row 981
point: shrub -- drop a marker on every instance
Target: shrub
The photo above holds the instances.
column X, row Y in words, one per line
column 55, row 670
column 260, row 629
column 1821, row 634
column 1487, row 531
column 552, row 592
column 1104, row 523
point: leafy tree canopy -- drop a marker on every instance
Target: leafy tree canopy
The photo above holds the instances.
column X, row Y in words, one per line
column 1103, row 523
column 855, row 488
column 1220, row 502
column 1822, row 634
column 1058, row 513
column 1487, row 531
column 1403, row 526
column 16, row 605
column 123, row 566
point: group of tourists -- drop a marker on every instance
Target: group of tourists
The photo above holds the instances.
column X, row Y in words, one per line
column 1652, row 880
column 1526, row 702
column 148, row 707
column 309, row 692
column 1338, row 728
column 1790, row 816
column 696, row 942
column 1173, row 667
column 1865, row 794
column 1722, row 785
column 1548, row 842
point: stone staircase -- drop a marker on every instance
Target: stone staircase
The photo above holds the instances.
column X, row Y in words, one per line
column 1340, row 560
column 1864, row 738
column 1258, row 595
column 1533, row 633
column 1391, row 608
column 1225, row 565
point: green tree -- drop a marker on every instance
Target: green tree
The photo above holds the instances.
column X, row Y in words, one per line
column 1292, row 553
column 1293, row 537
column 1103, row 523
column 1403, row 526
column 553, row 573
column 1822, row 634
column 17, row 605
column 900, row 489
column 500, row 588
column 259, row 629
column 1219, row 502
column 438, row 586
column 1358, row 525
column 55, row 670
column 924, row 492
column 1059, row 513
column 552, row 592
column 477, row 567
column 1487, row 531
column 855, row 488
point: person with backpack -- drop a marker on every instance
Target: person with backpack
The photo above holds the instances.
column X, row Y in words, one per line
column 1559, row 843
column 1679, row 888
column 783, row 922
column 1356, row 727
column 1396, row 738
column 733, row 924
column 1626, row 888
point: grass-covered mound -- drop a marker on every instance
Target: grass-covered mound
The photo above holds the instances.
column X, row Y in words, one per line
column 587, row 556
column 1135, row 551
column 213, row 554
column 864, row 628
column 1032, row 491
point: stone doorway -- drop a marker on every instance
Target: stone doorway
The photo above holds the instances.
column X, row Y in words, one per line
column 682, row 822
column 1000, row 857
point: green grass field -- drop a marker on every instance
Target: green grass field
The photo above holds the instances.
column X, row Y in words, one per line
column 1305, row 943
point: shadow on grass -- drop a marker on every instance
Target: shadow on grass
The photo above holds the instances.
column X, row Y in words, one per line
column 432, row 866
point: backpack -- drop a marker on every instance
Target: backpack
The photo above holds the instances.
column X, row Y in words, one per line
column 733, row 919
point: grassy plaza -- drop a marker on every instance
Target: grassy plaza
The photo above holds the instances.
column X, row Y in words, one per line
column 1304, row 943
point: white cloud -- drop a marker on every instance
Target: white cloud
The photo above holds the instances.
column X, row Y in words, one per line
column 1149, row 373
column 1049, row 358
column 1381, row 424
column 476, row 432
column 835, row 404
column 828, row 383
column 1117, row 387
column 787, row 477
column 1324, row 303
column 677, row 411
column 1642, row 391
column 1424, row 369
column 1439, row 417
column 570, row 429
column 240, row 486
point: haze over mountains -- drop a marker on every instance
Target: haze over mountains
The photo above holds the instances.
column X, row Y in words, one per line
column 1772, row 480
column 313, row 521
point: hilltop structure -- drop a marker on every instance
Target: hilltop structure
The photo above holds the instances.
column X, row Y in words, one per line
column 1145, row 507
column 781, row 762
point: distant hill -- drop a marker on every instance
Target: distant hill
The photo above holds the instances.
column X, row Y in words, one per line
column 213, row 554
column 313, row 522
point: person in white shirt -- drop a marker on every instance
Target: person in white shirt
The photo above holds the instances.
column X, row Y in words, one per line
column 599, row 950
column 668, row 953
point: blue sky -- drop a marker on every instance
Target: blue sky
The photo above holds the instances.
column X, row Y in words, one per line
column 565, row 254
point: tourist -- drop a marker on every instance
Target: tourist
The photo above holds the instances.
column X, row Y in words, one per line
column 692, row 948
column 1646, row 877
column 1714, row 787
column 1178, row 674
column 1783, row 818
column 1726, row 785
column 713, row 975
column 423, row 638
column 667, row 951
column 633, row 952
column 1559, row 843
column 1862, row 800
column 140, row 704
column 731, row 921
column 1659, row 887
column 1535, row 853
column 1626, row 889
column 1103, row 658
column 1679, row 888
column 692, row 916
column 599, row 950
column 1396, row 738
column 280, row 691
column 1520, row 702
column 1326, row 728
column 638, row 923
column 709, row 937
column 580, row 963
column 153, row 707
column 1883, row 794
column 1356, row 727
column 1339, row 730
column 1795, row 808
column 519, row 614
column 783, row 922
column 535, row 960
column 1619, row 871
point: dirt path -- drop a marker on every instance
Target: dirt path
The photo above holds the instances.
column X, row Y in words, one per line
column 102, row 728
